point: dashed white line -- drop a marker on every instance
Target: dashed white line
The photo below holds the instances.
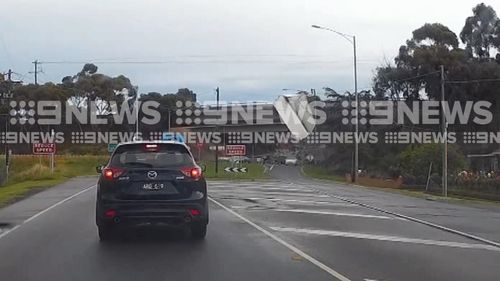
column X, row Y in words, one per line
column 260, row 188
column 302, row 201
column 387, row 238
column 332, row 213
column 264, row 193
column 294, row 249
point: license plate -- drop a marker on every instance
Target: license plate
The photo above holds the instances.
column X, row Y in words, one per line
column 153, row 186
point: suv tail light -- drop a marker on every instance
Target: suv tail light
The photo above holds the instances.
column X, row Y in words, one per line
column 194, row 173
column 112, row 173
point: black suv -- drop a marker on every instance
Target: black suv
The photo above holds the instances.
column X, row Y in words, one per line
column 151, row 183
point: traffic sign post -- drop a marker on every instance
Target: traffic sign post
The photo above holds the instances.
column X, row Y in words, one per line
column 199, row 146
column 46, row 149
column 8, row 155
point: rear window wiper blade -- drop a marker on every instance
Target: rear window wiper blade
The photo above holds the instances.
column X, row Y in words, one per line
column 138, row 164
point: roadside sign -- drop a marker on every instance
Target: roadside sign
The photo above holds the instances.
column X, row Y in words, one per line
column 111, row 147
column 235, row 170
column 213, row 148
column 236, row 150
column 310, row 157
column 44, row 148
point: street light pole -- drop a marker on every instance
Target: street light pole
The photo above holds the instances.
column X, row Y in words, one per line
column 352, row 40
column 217, row 130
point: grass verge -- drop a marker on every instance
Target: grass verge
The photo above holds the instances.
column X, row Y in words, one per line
column 322, row 173
column 30, row 174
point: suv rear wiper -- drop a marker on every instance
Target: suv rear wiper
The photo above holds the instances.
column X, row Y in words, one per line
column 138, row 164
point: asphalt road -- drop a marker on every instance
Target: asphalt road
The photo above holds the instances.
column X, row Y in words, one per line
column 283, row 229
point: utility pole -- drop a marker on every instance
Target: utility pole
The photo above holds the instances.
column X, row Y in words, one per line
column 52, row 159
column 356, row 140
column 136, row 105
column 168, row 120
column 35, row 72
column 445, row 136
column 217, row 145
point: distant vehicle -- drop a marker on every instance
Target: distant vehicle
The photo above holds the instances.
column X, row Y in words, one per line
column 291, row 161
column 240, row 159
column 279, row 160
column 153, row 183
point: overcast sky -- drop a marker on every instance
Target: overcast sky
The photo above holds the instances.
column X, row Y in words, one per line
column 251, row 49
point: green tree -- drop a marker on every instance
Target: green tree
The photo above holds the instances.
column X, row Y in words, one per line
column 89, row 85
column 431, row 46
column 481, row 31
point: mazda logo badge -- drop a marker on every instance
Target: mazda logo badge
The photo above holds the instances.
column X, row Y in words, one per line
column 152, row 174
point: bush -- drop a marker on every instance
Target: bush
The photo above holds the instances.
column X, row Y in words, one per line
column 414, row 160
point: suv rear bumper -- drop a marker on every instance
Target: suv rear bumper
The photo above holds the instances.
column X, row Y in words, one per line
column 137, row 212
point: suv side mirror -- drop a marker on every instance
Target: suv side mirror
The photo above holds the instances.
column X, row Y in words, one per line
column 99, row 168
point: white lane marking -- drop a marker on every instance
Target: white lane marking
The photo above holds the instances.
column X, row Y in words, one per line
column 263, row 189
column 387, row 238
column 46, row 210
column 302, row 201
column 332, row 213
column 264, row 193
column 58, row 203
column 8, row 231
column 294, row 249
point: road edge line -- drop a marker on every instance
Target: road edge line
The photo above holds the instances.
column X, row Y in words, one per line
column 46, row 210
column 424, row 222
column 292, row 248
column 413, row 219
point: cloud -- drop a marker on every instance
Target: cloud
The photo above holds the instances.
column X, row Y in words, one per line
column 252, row 48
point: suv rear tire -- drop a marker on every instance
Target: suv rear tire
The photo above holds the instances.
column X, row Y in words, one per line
column 198, row 231
column 106, row 233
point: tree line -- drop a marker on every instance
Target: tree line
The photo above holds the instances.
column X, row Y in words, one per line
column 471, row 63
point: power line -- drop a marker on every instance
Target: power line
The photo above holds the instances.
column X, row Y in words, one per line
column 450, row 81
column 415, row 77
column 206, row 62
column 155, row 58
column 472, row 81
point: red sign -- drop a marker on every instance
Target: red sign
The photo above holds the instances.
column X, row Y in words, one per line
column 236, row 150
column 44, row 148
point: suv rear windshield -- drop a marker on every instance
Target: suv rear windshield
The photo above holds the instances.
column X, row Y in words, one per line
column 164, row 156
